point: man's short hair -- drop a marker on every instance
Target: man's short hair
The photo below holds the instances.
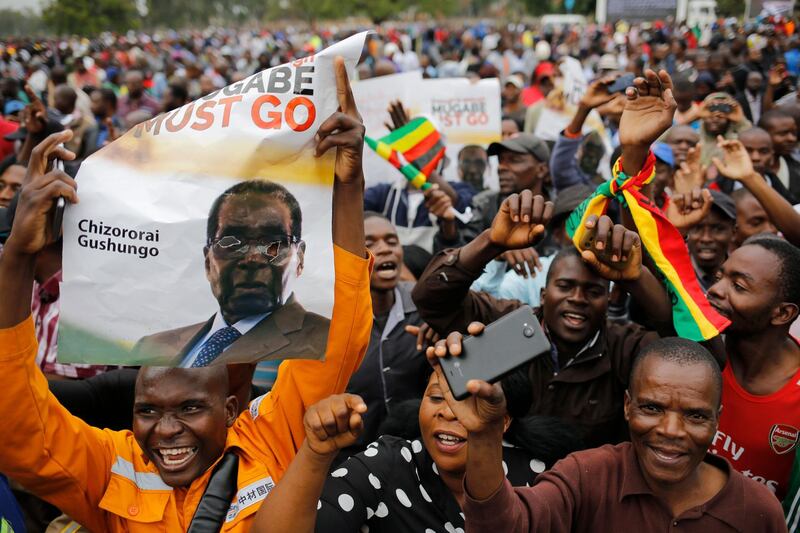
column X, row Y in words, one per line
column 683, row 84
column 109, row 97
column 267, row 188
column 471, row 148
column 682, row 352
column 375, row 214
column 179, row 92
column 564, row 253
column 769, row 116
column 788, row 264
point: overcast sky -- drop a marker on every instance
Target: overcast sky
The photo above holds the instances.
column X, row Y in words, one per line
column 21, row 4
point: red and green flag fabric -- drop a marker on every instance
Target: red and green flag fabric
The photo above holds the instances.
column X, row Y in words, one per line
column 414, row 149
column 692, row 315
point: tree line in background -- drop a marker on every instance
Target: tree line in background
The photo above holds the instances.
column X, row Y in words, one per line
column 90, row 17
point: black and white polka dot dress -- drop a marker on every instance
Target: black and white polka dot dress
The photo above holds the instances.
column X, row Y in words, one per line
column 394, row 486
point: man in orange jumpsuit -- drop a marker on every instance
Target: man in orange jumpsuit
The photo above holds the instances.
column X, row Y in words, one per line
column 187, row 441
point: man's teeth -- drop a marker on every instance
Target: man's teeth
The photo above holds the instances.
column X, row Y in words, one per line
column 574, row 316
column 667, row 456
column 176, row 456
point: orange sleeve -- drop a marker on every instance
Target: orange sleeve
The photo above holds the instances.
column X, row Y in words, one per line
column 53, row 454
column 275, row 420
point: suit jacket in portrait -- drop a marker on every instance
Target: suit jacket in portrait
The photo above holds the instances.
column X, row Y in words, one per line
column 289, row 332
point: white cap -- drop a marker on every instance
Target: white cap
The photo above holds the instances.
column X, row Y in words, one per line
column 542, row 50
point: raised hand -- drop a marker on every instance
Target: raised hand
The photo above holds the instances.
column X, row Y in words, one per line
column 735, row 163
column 40, row 190
column 518, row 259
column 649, row 109
column 35, row 113
column 689, row 175
column 113, row 135
column 426, row 336
column 521, row 221
column 616, row 253
column 334, row 423
column 344, row 130
column 399, row 115
column 439, row 203
column 688, row 209
column 597, row 93
column 614, row 107
column 777, row 74
column 486, row 407
column 736, row 114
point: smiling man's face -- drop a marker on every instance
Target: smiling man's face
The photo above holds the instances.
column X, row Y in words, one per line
column 181, row 418
column 250, row 283
column 672, row 412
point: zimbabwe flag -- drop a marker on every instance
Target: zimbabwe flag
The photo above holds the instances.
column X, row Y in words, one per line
column 414, row 149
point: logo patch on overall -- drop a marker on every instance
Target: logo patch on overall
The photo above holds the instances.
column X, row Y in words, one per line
column 782, row 438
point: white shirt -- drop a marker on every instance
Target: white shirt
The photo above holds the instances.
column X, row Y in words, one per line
column 242, row 326
column 783, row 172
column 755, row 105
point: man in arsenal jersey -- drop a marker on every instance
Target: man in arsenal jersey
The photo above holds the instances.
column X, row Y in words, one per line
column 758, row 289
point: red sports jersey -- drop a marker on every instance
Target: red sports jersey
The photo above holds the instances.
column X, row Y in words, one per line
column 758, row 434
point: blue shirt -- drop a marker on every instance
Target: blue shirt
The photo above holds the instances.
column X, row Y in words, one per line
column 9, row 508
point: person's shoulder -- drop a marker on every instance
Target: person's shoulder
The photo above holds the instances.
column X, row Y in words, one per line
column 605, row 462
column 313, row 319
column 484, row 197
column 163, row 347
column 520, row 466
column 755, row 497
column 388, row 453
column 628, row 331
column 607, row 454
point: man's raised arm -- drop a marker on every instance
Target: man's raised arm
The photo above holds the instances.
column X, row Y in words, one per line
column 442, row 294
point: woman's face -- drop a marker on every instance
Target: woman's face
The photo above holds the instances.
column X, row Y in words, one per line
column 442, row 434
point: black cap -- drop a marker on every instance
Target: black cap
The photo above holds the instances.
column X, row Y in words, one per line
column 52, row 126
column 570, row 198
column 723, row 204
column 523, row 143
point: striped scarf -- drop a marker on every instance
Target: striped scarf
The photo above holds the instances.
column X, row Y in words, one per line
column 692, row 315
column 414, row 149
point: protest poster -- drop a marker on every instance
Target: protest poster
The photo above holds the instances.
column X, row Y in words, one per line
column 467, row 112
column 373, row 97
column 210, row 224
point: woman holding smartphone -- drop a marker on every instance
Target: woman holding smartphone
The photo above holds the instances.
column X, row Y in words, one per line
column 395, row 484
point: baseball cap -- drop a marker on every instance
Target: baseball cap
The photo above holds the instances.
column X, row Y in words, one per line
column 663, row 153
column 570, row 198
column 723, row 204
column 608, row 62
column 545, row 69
column 13, row 106
column 516, row 80
column 522, row 143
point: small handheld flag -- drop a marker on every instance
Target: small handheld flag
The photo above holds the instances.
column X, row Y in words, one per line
column 414, row 149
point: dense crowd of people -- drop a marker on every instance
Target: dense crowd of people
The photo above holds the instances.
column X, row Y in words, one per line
column 625, row 423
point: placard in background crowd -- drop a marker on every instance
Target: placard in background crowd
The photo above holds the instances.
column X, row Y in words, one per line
column 464, row 112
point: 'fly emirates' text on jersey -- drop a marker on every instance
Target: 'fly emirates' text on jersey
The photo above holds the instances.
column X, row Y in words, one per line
column 758, row 434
